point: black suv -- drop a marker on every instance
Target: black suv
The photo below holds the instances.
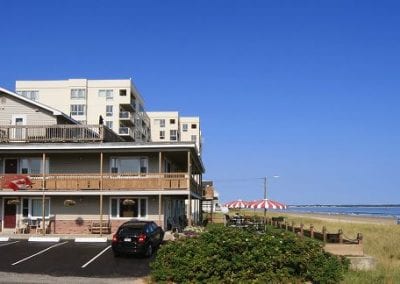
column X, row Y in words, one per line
column 137, row 237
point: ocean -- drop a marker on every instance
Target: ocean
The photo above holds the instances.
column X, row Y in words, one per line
column 388, row 211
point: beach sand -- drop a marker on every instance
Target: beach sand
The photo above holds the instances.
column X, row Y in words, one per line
column 342, row 218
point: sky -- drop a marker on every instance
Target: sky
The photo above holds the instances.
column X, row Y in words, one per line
column 307, row 90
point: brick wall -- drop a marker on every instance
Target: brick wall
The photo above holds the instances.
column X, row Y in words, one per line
column 81, row 226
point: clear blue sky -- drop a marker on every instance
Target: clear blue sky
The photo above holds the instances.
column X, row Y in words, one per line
column 308, row 90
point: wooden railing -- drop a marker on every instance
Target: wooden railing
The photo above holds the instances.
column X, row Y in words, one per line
column 76, row 182
column 56, row 133
column 335, row 243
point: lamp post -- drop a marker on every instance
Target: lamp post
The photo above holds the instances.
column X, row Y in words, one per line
column 265, row 196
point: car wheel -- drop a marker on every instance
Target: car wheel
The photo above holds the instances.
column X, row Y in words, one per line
column 149, row 251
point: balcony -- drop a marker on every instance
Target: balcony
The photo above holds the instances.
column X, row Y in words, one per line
column 126, row 132
column 79, row 182
column 127, row 117
column 56, row 133
column 131, row 105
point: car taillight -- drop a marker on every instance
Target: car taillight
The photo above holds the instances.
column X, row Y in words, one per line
column 142, row 238
column 115, row 238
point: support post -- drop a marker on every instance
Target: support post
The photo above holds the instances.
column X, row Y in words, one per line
column 301, row 229
column 340, row 232
column 101, row 194
column 189, row 209
column 159, row 211
column 324, row 234
column 43, row 194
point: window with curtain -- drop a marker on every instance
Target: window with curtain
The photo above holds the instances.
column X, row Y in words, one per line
column 36, row 208
column 126, row 207
column 33, row 166
column 126, row 165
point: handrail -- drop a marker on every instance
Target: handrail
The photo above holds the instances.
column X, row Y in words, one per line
column 56, row 133
column 111, row 181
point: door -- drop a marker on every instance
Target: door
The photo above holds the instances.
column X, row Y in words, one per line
column 10, row 166
column 19, row 132
column 10, row 215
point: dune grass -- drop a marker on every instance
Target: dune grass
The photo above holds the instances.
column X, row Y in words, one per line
column 381, row 240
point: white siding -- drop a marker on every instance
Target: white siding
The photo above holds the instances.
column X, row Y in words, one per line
column 10, row 106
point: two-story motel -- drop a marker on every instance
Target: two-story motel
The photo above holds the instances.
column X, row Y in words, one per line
column 83, row 173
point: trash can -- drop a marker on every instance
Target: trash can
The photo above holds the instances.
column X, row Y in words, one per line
column 398, row 220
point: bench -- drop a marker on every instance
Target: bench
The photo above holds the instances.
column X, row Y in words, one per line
column 96, row 226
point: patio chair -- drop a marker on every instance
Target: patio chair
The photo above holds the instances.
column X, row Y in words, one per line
column 175, row 227
column 22, row 228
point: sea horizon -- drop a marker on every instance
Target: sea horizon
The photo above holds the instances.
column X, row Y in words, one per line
column 368, row 210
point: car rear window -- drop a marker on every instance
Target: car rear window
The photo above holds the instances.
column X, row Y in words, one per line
column 130, row 231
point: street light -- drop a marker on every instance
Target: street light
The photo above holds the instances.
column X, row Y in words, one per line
column 265, row 196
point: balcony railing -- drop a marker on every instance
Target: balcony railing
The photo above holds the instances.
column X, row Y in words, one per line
column 78, row 182
column 125, row 131
column 127, row 116
column 56, row 133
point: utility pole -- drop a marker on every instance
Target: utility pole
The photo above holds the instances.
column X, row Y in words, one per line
column 265, row 199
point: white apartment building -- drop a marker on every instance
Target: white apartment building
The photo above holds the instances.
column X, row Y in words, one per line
column 118, row 102
column 170, row 127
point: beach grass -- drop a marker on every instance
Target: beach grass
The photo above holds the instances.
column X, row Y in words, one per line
column 381, row 238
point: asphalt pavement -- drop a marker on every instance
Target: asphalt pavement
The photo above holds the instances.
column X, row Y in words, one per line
column 67, row 258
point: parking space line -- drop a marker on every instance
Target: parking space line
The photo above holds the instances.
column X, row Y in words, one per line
column 7, row 244
column 40, row 252
column 99, row 254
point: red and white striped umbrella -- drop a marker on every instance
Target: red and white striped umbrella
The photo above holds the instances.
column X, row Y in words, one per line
column 236, row 204
column 266, row 204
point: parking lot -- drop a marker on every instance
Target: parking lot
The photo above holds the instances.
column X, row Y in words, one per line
column 68, row 258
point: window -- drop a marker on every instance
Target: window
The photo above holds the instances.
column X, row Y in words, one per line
column 172, row 121
column 128, row 207
column 25, row 207
column 32, row 207
column 78, row 109
column 109, row 124
column 33, row 166
column 129, row 165
column 78, row 93
column 162, row 122
column 194, row 138
column 109, row 110
column 143, row 165
column 122, row 92
column 162, row 135
column 32, row 95
column 173, row 135
column 184, row 127
column 194, row 126
column 107, row 93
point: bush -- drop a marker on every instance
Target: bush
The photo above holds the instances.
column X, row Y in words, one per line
column 231, row 255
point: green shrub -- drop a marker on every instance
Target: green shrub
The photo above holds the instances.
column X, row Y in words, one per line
column 230, row 255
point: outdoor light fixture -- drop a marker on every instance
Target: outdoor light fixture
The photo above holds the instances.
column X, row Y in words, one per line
column 13, row 202
column 69, row 202
column 128, row 202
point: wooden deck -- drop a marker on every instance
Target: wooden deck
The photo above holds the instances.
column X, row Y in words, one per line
column 77, row 182
column 56, row 133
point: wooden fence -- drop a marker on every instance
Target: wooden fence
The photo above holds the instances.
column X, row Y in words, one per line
column 335, row 243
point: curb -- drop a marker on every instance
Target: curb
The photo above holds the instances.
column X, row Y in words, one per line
column 4, row 239
column 90, row 240
column 44, row 239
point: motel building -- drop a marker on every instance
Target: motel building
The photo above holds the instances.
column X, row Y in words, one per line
column 58, row 176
